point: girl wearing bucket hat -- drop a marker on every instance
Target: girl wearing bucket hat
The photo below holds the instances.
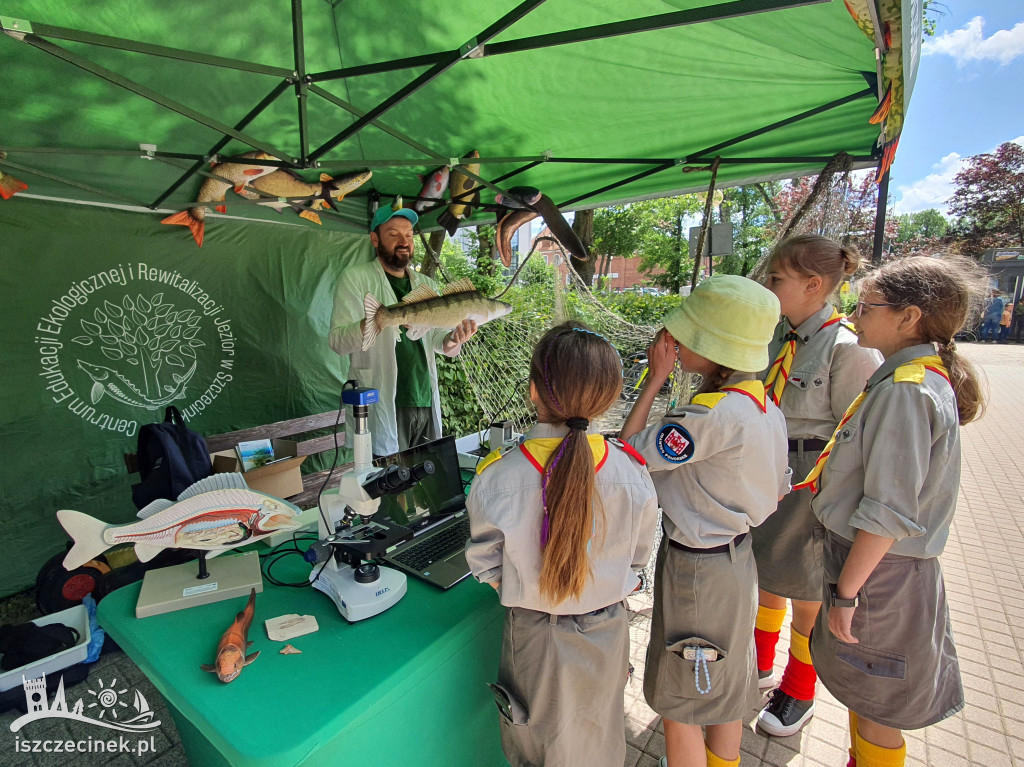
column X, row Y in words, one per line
column 818, row 369
column 719, row 465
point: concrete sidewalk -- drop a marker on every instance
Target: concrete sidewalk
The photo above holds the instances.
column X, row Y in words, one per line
column 983, row 572
column 986, row 594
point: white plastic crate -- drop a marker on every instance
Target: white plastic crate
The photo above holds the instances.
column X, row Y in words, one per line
column 76, row 617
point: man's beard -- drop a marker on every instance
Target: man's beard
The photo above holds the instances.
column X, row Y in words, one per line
column 393, row 260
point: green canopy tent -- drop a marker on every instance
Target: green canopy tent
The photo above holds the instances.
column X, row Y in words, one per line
column 125, row 104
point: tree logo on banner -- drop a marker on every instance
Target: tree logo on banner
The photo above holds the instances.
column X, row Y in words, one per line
column 132, row 344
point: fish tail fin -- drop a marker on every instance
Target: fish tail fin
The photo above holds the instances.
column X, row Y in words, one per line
column 449, row 222
column 187, row 218
column 86, row 532
column 371, row 328
column 310, row 216
column 10, row 186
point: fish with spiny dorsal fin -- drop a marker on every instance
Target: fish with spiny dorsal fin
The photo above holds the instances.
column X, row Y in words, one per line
column 423, row 309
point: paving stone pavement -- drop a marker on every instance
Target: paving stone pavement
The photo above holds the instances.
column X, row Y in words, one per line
column 986, row 595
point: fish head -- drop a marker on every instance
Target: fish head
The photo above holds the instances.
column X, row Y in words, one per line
column 342, row 185
column 499, row 309
column 95, row 372
column 230, row 662
column 275, row 515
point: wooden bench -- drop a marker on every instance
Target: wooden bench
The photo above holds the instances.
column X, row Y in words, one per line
column 295, row 429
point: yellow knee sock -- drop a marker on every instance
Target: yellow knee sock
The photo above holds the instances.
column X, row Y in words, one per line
column 716, row 761
column 853, row 740
column 769, row 619
column 870, row 755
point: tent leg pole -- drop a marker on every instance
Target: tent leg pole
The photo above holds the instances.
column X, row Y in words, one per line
column 880, row 212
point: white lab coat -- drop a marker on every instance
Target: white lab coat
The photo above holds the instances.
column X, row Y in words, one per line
column 376, row 368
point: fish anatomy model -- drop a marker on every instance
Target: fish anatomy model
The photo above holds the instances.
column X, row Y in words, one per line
column 465, row 194
column 10, row 186
column 423, row 309
column 284, row 183
column 236, row 174
column 215, row 514
column 434, row 185
column 539, row 205
column 231, row 657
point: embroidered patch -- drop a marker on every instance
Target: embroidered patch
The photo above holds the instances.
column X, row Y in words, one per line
column 675, row 443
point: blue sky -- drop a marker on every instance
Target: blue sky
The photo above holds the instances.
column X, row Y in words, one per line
column 968, row 99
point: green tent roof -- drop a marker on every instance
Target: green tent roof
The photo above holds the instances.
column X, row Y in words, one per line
column 592, row 102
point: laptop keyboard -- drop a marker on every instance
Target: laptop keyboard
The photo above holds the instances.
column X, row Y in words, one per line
column 433, row 548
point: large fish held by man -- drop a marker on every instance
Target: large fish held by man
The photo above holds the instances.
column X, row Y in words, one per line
column 423, row 309
column 215, row 514
column 232, row 174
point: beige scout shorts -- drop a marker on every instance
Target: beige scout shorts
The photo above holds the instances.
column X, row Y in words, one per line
column 787, row 545
column 564, row 676
column 706, row 601
column 904, row 671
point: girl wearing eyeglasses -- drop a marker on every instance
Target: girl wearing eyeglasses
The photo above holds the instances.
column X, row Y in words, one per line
column 885, row 489
column 817, row 372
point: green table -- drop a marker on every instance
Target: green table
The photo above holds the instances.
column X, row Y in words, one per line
column 404, row 687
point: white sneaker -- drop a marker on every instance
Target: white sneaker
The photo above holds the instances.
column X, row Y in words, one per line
column 765, row 679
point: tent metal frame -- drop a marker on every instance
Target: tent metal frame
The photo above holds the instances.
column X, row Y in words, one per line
column 479, row 46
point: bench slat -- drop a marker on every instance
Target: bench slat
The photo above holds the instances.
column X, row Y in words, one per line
column 278, row 430
column 311, row 486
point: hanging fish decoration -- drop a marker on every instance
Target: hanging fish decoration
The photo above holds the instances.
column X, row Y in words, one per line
column 435, row 184
column 9, row 185
column 539, row 204
column 465, row 194
column 285, row 183
column 238, row 174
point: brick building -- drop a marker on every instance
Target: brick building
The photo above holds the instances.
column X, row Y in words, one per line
column 623, row 273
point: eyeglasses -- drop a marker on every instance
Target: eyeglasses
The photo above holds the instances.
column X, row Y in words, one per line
column 862, row 304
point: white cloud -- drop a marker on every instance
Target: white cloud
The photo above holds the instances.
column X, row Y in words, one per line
column 935, row 189
column 970, row 44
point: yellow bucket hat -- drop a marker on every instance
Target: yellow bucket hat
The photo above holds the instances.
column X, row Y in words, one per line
column 729, row 320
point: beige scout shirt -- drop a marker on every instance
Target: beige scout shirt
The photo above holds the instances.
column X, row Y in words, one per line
column 895, row 468
column 829, row 370
column 731, row 475
column 505, row 515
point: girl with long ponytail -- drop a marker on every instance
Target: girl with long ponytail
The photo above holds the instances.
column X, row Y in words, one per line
column 559, row 525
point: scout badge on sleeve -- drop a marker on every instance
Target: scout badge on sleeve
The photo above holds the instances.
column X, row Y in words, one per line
column 675, row 443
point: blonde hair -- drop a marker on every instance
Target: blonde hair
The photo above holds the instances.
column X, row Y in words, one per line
column 949, row 292
column 812, row 254
column 577, row 374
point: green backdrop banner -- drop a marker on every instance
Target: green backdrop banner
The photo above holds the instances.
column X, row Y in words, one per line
column 108, row 319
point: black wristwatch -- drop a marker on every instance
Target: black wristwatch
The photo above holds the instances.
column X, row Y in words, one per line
column 835, row 601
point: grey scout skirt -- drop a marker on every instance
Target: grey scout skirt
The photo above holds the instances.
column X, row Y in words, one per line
column 787, row 545
column 904, row 672
column 703, row 601
column 564, row 676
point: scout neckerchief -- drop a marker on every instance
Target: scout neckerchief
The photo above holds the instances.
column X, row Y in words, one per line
column 912, row 371
column 753, row 389
column 778, row 373
column 538, row 452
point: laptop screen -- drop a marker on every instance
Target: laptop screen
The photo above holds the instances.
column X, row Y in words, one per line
column 438, row 494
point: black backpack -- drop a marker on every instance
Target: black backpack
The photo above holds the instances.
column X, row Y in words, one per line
column 170, row 458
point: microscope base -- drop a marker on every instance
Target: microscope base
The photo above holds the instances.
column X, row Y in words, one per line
column 357, row 601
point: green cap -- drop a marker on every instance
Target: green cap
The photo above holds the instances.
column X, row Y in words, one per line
column 385, row 213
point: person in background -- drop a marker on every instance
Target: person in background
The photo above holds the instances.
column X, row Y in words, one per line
column 404, row 371
column 720, row 466
column 819, row 369
column 1005, row 321
column 559, row 526
column 886, row 489
column 1018, row 318
column 991, row 318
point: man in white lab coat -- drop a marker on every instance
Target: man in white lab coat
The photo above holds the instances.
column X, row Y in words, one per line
column 404, row 371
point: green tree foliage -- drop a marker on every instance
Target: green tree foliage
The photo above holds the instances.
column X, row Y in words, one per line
column 989, row 200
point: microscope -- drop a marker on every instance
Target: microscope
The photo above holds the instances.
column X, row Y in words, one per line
column 350, row 539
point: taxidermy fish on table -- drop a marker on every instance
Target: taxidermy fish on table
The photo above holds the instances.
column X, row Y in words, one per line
column 465, row 194
column 9, row 185
column 231, row 657
column 215, row 514
column 538, row 204
column 237, row 174
column 284, row 183
column 423, row 309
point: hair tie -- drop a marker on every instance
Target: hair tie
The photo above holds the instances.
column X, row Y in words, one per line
column 950, row 345
column 577, row 423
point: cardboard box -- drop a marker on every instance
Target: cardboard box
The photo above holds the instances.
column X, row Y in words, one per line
column 280, row 478
column 76, row 617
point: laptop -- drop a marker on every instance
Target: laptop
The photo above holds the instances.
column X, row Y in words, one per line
column 435, row 510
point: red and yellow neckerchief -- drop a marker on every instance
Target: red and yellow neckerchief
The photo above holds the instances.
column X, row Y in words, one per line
column 913, row 372
column 753, row 389
column 778, row 373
